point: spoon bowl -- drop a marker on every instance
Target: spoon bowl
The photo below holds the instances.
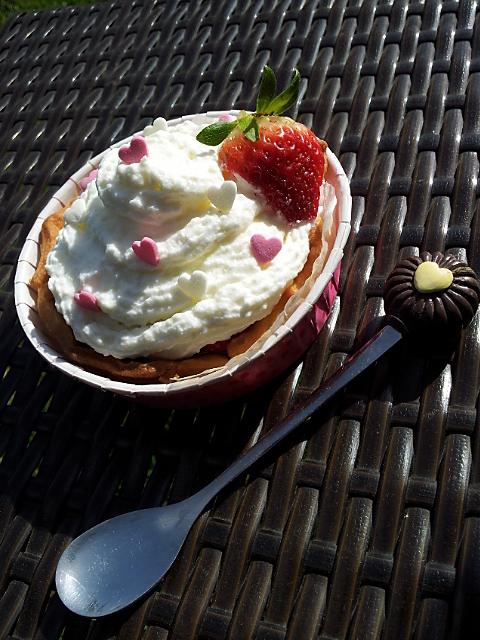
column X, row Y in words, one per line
column 111, row 565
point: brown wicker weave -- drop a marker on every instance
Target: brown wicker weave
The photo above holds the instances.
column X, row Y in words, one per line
column 370, row 527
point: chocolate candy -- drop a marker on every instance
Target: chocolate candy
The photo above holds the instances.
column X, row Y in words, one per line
column 431, row 298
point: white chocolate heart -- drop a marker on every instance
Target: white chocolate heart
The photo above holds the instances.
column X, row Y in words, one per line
column 159, row 124
column 76, row 212
column 223, row 197
column 429, row 278
column 193, row 285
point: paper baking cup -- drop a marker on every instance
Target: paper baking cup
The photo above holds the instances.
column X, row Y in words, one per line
column 288, row 338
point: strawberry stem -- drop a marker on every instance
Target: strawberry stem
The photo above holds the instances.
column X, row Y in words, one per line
column 267, row 105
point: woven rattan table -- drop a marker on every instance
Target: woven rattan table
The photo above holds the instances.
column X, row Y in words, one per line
column 370, row 526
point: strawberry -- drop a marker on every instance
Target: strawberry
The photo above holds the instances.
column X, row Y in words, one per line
column 285, row 165
column 282, row 160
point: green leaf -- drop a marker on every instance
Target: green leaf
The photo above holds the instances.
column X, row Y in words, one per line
column 251, row 132
column 285, row 99
column 216, row 133
column 268, row 86
column 244, row 122
column 249, row 126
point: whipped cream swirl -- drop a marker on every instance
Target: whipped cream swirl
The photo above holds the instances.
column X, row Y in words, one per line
column 207, row 286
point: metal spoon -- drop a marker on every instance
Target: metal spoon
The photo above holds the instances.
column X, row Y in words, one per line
column 113, row 564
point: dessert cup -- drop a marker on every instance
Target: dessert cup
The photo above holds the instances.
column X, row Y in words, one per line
column 287, row 339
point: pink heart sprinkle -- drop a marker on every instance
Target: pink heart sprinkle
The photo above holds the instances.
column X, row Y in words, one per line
column 264, row 249
column 225, row 117
column 86, row 181
column 86, row 300
column 133, row 152
column 146, row 250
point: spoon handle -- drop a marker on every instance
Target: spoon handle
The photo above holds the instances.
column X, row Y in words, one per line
column 369, row 353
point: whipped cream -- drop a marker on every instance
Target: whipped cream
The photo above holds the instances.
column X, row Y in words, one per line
column 207, row 285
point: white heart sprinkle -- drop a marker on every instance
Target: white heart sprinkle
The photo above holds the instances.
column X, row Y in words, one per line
column 193, row 285
column 159, row 124
column 224, row 196
column 76, row 212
